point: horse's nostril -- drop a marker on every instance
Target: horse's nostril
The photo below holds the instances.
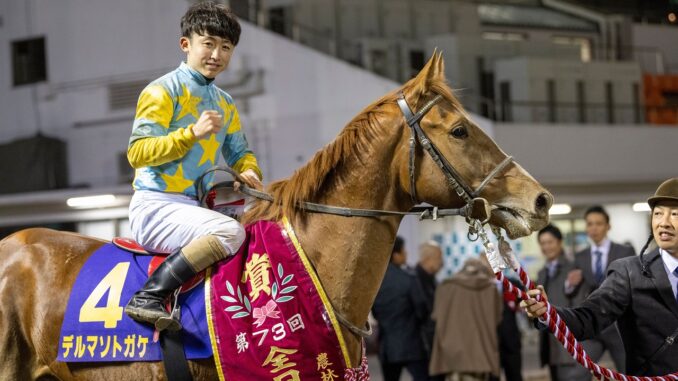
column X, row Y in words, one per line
column 543, row 202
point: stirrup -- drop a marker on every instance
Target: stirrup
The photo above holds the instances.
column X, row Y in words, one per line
column 173, row 321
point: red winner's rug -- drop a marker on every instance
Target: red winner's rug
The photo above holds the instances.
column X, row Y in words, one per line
column 268, row 316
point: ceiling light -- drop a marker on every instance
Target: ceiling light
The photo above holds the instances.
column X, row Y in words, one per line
column 91, row 201
column 558, row 209
column 641, row 207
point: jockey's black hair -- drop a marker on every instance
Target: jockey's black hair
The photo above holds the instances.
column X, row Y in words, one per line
column 208, row 18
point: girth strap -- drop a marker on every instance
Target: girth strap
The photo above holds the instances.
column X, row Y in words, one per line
column 173, row 357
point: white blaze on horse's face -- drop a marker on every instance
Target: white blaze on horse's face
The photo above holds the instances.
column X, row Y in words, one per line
column 520, row 204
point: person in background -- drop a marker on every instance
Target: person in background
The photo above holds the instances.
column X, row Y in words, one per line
column 591, row 265
column 467, row 310
column 510, row 346
column 639, row 293
column 430, row 263
column 395, row 309
column 552, row 276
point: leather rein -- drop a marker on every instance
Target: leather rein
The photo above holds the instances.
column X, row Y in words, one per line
column 476, row 210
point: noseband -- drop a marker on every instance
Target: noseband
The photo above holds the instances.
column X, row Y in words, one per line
column 462, row 189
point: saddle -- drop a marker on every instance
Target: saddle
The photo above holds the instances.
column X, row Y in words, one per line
column 220, row 198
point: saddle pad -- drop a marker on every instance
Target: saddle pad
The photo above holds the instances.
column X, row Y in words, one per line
column 95, row 328
column 268, row 314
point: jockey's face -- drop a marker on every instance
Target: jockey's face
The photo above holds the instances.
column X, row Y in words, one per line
column 209, row 55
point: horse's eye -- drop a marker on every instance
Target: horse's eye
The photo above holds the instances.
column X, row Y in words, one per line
column 460, row 132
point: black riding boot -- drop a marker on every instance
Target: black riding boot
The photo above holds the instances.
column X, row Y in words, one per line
column 148, row 304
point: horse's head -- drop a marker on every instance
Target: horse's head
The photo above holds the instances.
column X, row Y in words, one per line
column 519, row 203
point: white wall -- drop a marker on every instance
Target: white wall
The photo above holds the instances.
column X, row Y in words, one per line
column 307, row 96
column 591, row 154
column 628, row 226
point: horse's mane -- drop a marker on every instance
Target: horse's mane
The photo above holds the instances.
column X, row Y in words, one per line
column 308, row 181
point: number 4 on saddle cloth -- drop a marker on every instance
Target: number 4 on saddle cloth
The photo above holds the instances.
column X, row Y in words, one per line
column 95, row 328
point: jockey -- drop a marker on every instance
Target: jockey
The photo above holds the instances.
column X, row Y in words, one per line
column 182, row 122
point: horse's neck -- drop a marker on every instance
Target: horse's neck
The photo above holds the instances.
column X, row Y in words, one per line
column 351, row 254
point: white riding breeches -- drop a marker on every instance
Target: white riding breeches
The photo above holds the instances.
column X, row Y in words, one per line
column 166, row 222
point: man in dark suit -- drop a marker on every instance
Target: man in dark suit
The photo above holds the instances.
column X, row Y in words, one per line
column 430, row 262
column 400, row 341
column 591, row 264
column 510, row 347
column 552, row 276
column 639, row 293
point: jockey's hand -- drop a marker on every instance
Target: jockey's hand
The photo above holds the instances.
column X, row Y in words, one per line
column 251, row 179
column 534, row 308
column 210, row 122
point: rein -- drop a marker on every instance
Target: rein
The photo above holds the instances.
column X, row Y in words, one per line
column 423, row 212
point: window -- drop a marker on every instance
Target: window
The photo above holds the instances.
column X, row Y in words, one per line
column 505, row 98
column 584, row 45
column 378, row 62
column 242, row 9
column 504, row 36
column 551, row 100
column 124, row 95
column 29, row 63
column 125, row 170
column 277, row 20
column 635, row 90
column 581, row 102
column 609, row 102
column 417, row 62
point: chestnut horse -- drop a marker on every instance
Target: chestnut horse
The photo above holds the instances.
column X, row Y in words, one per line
column 367, row 166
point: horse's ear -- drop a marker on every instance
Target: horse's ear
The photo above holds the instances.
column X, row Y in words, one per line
column 433, row 71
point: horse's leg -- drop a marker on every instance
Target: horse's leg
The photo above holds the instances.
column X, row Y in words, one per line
column 13, row 347
column 37, row 270
column 17, row 358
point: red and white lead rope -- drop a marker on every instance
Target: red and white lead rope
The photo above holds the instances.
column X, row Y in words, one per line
column 504, row 258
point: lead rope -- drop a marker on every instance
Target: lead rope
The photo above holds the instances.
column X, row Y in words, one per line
column 504, row 259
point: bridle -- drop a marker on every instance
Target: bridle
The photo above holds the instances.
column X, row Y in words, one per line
column 462, row 189
column 475, row 209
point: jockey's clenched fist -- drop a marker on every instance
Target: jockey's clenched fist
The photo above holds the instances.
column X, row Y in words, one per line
column 251, row 179
column 210, row 122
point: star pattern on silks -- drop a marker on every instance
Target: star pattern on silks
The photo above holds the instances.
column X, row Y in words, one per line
column 189, row 104
column 225, row 107
column 210, row 147
column 176, row 182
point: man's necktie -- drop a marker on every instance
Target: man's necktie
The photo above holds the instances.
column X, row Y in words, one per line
column 598, row 267
column 676, row 273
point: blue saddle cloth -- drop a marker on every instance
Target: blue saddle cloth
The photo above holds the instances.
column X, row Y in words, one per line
column 95, row 328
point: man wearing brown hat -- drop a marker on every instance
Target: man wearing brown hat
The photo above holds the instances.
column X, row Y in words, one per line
column 639, row 293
